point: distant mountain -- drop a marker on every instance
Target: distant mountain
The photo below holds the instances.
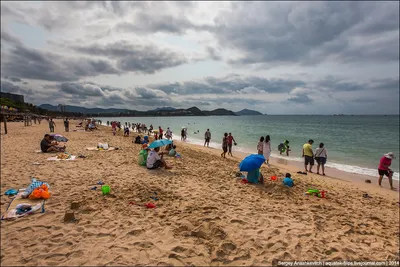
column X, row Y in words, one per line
column 219, row 112
column 83, row 110
column 163, row 109
column 245, row 112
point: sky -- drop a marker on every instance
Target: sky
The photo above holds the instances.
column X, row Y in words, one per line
column 274, row 57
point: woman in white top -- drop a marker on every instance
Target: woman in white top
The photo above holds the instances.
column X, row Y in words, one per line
column 267, row 148
column 320, row 156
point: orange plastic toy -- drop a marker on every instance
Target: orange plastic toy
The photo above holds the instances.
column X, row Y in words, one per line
column 273, row 178
column 40, row 192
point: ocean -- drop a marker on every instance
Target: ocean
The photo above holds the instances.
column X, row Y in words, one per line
column 354, row 144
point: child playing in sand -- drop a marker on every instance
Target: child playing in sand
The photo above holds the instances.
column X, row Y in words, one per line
column 288, row 181
column 172, row 151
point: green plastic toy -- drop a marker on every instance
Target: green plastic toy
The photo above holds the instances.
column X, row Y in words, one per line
column 105, row 189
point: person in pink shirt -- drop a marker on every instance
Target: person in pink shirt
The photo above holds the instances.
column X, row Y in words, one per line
column 384, row 169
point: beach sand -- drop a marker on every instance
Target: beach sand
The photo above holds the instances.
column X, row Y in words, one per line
column 204, row 215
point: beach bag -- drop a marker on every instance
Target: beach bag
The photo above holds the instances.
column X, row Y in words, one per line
column 142, row 157
column 280, row 146
column 40, row 192
column 35, row 184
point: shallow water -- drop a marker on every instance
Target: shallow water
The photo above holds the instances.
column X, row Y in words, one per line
column 354, row 143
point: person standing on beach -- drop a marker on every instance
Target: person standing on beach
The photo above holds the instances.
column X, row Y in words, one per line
column 267, row 148
column 224, row 145
column 51, row 125
column 320, row 156
column 260, row 146
column 207, row 138
column 114, row 127
column 66, row 125
column 308, row 155
column 160, row 132
column 384, row 169
column 230, row 142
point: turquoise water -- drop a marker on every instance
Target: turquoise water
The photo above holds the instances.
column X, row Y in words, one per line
column 354, row 143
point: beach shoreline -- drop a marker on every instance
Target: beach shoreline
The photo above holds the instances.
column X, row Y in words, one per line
column 204, row 215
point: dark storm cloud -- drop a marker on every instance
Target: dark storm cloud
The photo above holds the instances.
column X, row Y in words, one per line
column 35, row 64
column 301, row 99
column 79, row 89
column 9, row 87
column 311, row 32
column 142, row 59
column 230, row 84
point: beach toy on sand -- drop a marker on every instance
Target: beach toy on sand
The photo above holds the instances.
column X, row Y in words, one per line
column 105, row 189
column 150, row 205
column 11, row 192
column 93, row 188
column 100, row 183
column 273, row 178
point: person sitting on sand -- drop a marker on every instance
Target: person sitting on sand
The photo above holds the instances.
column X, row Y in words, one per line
column 143, row 155
column 155, row 159
column 255, row 177
column 137, row 140
column 384, row 169
column 46, row 145
column 145, row 140
column 288, row 181
column 172, row 151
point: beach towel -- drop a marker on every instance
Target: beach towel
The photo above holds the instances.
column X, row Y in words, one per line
column 37, row 205
column 96, row 149
column 55, row 158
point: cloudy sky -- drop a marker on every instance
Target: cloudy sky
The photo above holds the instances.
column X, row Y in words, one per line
column 274, row 57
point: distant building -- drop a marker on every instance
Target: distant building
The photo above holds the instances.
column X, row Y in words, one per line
column 13, row 97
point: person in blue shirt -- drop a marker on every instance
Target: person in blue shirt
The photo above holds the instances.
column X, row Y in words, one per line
column 288, row 181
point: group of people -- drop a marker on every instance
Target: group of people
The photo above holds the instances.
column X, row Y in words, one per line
column 154, row 158
column 227, row 142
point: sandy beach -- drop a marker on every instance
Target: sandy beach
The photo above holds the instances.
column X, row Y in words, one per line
column 204, row 214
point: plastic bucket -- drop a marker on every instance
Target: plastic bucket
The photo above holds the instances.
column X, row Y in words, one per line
column 105, row 189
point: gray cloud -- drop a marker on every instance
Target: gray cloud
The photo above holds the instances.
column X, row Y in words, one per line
column 302, row 99
column 229, row 84
column 35, row 64
column 8, row 38
column 312, row 32
column 143, row 59
column 79, row 90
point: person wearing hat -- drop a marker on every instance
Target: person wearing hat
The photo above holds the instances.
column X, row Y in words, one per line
column 384, row 169
column 143, row 155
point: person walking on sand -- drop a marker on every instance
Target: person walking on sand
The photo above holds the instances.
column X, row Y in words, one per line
column 66, row 125
column 231, row 140
column 267, row 149
column 308, row 155
column 224, row 145
column 51, row 125
column 321, row 156
column 260, row 146
column 384, row 169
column 207, row 138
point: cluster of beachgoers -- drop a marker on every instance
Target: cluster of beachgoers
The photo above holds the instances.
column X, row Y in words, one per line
column 320, row 154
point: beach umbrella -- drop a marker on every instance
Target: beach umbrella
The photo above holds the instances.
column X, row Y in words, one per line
column 59, row 138
column 159, row 143
column 251, row 162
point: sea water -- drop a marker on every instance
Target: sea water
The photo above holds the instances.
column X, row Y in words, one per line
column 354, row 144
